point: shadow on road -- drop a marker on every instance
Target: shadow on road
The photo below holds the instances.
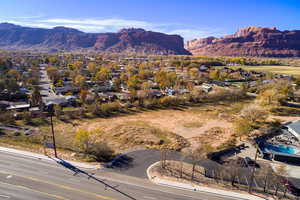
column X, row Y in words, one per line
column 79, row 171
column 122, row 162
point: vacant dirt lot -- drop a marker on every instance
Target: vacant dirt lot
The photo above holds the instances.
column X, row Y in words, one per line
column 210, row 123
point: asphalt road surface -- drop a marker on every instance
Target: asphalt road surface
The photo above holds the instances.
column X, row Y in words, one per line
column 27, row 178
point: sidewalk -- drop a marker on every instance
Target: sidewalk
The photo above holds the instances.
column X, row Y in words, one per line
column 44, row 157
column 217, row 192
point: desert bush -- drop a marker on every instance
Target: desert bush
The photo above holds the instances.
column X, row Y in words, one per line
column 27, row 117
column 167, row 101
column 7, row 118
column 242, row 127
column 94, row 109
column 86, row 142
column 254, row 113
column 58, row 111
column 100, row 152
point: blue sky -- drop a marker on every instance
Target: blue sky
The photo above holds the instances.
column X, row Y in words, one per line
column 188, row 18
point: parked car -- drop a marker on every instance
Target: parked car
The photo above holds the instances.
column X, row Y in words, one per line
column 251, row 163
column 291, row 188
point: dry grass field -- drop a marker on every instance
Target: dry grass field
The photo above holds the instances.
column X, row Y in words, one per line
column 278, row 69
column 209, row 123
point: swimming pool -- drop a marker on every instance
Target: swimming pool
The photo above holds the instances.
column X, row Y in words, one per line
column 280, row 148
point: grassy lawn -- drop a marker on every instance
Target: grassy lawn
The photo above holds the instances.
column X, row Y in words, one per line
column 279, row 69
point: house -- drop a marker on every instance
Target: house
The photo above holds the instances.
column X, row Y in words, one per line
column 182, row 91
column 206, row 87
column 18, row 106
column 124, row 88
column 122, row 96
column 155, row 93
column 4, row 105
column 294, row 128
column 220, row 83
column 203, row 68
column 66, row 89
column 62, row 101
column 282, row 145
column 296, row 97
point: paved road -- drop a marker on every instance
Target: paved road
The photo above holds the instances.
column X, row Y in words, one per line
column 45, row 84
column 48, row 95
column 26, row 178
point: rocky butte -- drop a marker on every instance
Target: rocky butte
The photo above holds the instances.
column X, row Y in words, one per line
column 132, row 40
column 250, row 41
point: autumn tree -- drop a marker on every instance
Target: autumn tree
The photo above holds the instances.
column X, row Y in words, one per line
column 79, row 80
column 36, row 97
column 83, row 140
column 52, row 60
column 194, row 73
column 270, row 97
column 102, row 74
column 14, row 74
column 53, row 74
column 165, row 79
column 133, row 83
column 144, row 74
column 92, row 67
column 83, row 95
column 78, row 65
column 214, row 74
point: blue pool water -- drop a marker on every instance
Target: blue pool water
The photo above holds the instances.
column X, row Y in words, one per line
column 280, row 148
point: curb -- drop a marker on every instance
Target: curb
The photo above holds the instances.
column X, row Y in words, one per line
column 196, row 188
column 43, row 157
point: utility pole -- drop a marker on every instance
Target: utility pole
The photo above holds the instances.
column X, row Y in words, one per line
column 52, row 130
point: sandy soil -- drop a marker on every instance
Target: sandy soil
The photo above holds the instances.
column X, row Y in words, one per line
column 166, row 120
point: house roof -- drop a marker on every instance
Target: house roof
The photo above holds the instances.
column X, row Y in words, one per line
column 18, row 106
column 294, row 127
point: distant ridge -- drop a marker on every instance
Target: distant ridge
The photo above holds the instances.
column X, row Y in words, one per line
column 68, row 39
column 249, row 41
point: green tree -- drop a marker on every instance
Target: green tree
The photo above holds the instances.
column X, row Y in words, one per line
column 214, row 74
column 133, row 83
column 83, row 140
column 242, row 127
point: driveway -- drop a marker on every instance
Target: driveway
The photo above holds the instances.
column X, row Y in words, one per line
column 136, row 163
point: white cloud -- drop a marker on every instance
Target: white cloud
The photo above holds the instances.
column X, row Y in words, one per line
column 104, row 22
column 114, row 24
column 190, row 34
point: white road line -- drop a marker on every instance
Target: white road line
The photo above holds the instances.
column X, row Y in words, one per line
column 4, row 196
column 9, row 176
column 147, row 197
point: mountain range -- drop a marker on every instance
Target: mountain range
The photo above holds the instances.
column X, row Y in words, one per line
column 250, row 41
column 131, row 40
